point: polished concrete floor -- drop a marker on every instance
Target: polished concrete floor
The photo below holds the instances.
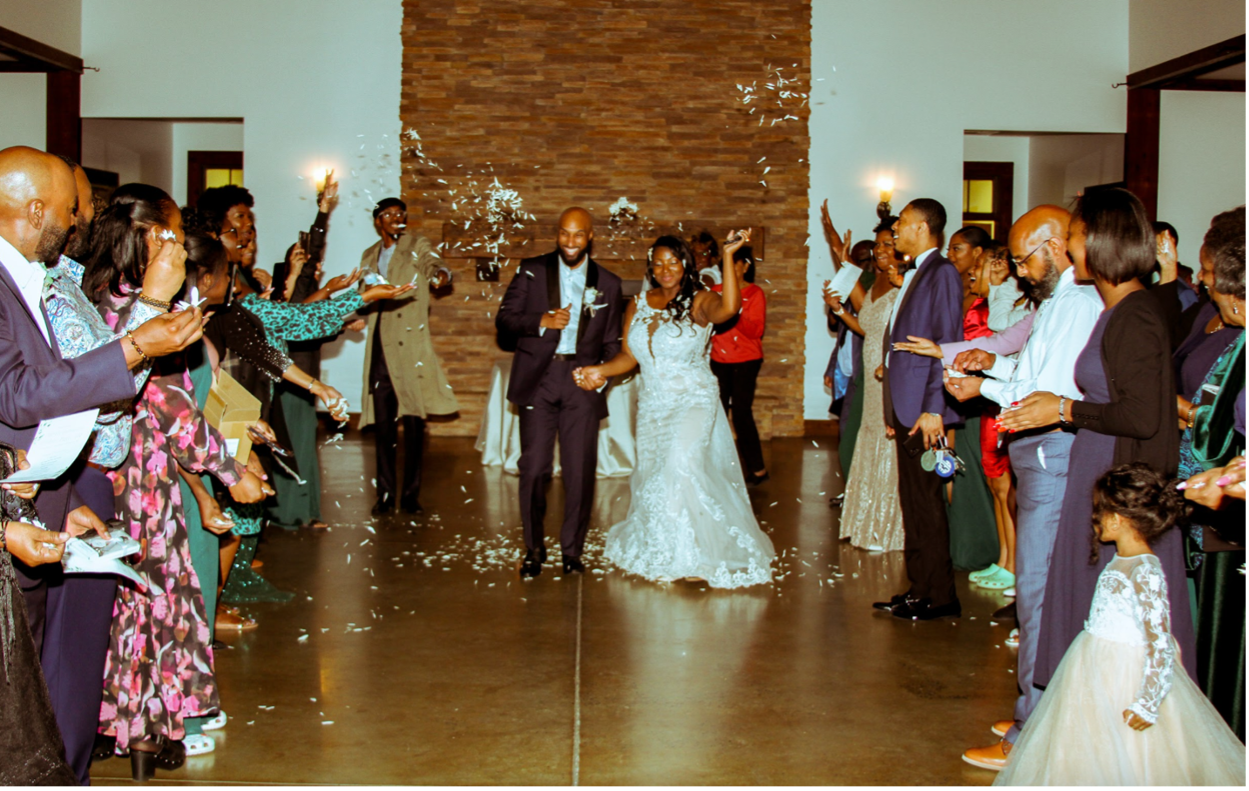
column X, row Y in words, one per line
column 413, row 654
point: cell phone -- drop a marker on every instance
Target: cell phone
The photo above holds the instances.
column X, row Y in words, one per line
column 303, row 240
column 914, row 444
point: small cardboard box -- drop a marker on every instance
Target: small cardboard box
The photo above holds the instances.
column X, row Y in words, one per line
column 230, row 409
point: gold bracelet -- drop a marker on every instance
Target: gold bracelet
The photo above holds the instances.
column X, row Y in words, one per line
column 155, row 303
column 135, row 344
column 311, row 384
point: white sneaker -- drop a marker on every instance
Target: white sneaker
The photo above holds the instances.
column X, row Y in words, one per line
column 216, row 723
column 1008, row 593
column 198, row 744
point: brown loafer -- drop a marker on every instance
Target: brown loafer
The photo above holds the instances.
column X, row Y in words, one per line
column 232, row 621
column 992, row 757
column 1001, row 727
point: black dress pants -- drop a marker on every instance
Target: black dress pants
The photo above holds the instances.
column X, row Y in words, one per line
column 386, row 419
column 737, row 393
column 559, row 408
column 925, row 528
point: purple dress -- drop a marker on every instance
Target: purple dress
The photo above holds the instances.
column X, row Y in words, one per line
column 1072, row 580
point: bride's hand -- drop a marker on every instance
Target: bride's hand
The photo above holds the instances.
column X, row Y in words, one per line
column 589, row 378
column 734, row 243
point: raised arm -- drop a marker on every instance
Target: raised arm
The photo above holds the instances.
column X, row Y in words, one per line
column 713, row 308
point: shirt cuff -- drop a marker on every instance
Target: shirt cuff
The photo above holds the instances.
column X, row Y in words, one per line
column 994, row 391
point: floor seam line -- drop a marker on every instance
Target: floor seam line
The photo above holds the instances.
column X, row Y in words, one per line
column 576, row 693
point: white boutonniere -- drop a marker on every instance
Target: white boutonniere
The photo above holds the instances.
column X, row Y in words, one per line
column 588, row 298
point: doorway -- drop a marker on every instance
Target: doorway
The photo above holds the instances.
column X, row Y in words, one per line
column 988, row 190
column 208, row 169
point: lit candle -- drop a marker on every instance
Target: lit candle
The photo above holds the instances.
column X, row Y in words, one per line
column 321, row 175
column 885, row 185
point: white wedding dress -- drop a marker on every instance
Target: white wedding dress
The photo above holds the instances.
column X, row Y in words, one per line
column 689, row 515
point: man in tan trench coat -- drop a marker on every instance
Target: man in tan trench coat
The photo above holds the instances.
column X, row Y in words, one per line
column 402, row 377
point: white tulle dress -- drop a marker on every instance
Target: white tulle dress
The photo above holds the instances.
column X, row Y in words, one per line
column 689, row 515
column 1125, row 660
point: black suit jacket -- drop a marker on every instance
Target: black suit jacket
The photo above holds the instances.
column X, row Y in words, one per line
column 533, row 292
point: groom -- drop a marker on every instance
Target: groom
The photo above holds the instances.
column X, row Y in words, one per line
column 564, row 311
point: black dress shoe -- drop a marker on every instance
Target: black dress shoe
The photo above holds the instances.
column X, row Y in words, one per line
column 383, row 506
column 148, row 756
column 104, row 748
column 531, row 566
column 411, row 505
column 924, row 610
column 573, row 565
column 888, row 606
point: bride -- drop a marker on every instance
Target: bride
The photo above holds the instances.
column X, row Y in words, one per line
column 689, row 516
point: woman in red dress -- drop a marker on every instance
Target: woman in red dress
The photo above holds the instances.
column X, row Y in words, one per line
column 736, row 357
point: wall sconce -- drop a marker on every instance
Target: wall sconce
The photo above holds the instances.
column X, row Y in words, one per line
column 885, row 185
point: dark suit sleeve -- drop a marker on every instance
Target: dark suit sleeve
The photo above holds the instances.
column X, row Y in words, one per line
column 1167, row 296
column 1136, row 350
column 614, row 331
column 30, row 393
column 514, row 316
column 947, row 322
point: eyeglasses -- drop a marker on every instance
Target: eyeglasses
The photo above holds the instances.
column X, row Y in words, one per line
column 1020, row 262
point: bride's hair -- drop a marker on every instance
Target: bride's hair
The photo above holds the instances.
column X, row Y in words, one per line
column 680, row 305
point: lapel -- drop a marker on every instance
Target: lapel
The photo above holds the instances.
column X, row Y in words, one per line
column 920, row 273
column 371, row 255
column 7, row 279
column 552, row 282
column 591, row 281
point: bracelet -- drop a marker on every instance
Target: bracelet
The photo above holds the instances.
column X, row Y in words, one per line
column 312, row 383
column 1189, row 419
column 841, row 312
column 1062, row 411
column 155, row 303
column 135, row 344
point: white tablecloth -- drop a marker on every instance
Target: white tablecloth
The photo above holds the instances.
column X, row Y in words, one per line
column 499, row 437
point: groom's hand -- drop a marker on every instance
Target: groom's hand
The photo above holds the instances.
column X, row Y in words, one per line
column 557, row 319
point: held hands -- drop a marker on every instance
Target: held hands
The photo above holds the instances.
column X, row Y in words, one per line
column 974, row 360
column 1037, row 410
column 921, row 346
column 933, row 428
column 165, row 272
column 589, row 377
column 383, row 291
column 1135, row 721
column 83, row 520
column 964, row 388
column 26, row 491
column 165, row 334
column 557, row 319
column 34, row 546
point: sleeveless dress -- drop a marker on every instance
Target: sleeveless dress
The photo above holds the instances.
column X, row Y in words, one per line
column 1125, row 660
column 871, row 516
column 689, row 515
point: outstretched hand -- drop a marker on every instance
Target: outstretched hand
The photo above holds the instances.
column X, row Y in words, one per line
column 384, row 291
column 921, row 346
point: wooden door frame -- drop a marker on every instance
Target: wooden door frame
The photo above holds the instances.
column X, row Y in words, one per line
column 1002, row 174
column 199, row 161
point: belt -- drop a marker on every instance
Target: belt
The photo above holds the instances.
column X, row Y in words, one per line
column 565, row 357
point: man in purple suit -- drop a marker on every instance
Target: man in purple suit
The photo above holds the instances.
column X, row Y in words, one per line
column 917, row 411
column 564, row 311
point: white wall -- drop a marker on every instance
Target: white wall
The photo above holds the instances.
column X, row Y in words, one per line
column 889, row 89
column 24, row 120
column 1201, row 169
column 226, row 136
column 134, row 150
column 1062, row 166
column 1164, row 29
column 316, row 82
column 1001, row 148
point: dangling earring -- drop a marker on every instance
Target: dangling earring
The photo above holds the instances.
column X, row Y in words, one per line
column 1235, row 310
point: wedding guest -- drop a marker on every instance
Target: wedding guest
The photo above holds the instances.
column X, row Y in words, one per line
column 707, row 257
column 966, row 245
column 929, row 305
column 1169, row 267
column 1118, row 712
column 80, row 606
column 403, row 379
column 147, row 694
column 736, row 357
column 1125, row 413
column 871, row 517
column 1048, row 347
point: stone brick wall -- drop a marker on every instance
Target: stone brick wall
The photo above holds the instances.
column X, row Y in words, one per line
column 581, row 102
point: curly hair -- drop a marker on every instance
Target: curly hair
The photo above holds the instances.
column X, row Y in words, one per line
column 215, row 203
column 680, row 306
column 1141, row 495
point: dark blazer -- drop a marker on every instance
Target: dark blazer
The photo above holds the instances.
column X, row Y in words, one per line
column 533, row 292
column 932, row 308
column 35, row 384
column 1136, row 353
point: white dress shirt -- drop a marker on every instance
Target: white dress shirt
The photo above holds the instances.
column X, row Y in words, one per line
column 906, row 286
column 1003, row 312
column 1047, row 362
column 29, row 278
column 571, row 292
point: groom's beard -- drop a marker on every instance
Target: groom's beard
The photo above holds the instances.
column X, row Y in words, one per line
column 581, row 256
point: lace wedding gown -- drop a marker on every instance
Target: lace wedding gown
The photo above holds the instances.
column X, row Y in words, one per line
column 1125, row 660
column 689, row 515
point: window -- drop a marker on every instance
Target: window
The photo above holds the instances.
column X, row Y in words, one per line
column 987, row 188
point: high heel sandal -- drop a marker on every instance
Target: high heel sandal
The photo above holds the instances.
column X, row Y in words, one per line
column 160, row 753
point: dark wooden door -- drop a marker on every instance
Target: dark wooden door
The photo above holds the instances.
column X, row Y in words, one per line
column 988, row 189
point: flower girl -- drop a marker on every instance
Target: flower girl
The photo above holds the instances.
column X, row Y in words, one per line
column 1120, row 709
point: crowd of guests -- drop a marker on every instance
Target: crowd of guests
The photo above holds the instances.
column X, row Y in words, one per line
column 1062, row 368
column 138, row 308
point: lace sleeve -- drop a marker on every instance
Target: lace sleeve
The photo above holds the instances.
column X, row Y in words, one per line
column 1150, row 590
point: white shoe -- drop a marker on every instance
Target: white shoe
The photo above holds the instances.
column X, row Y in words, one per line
column 1008, row 593
column 198, row 744
column 216, row 723
column 1013, row 641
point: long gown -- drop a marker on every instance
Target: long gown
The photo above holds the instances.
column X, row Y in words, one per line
column 871, row 516
column 689, row 515
column 1125, row 660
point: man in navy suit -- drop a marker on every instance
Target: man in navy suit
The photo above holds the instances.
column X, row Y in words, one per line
column 917, row 411
column 564, row 311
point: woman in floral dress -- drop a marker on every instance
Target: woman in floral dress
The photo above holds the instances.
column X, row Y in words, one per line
column 159, row 665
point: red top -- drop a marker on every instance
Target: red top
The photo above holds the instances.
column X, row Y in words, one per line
column 742, row 341
column 976, row 322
